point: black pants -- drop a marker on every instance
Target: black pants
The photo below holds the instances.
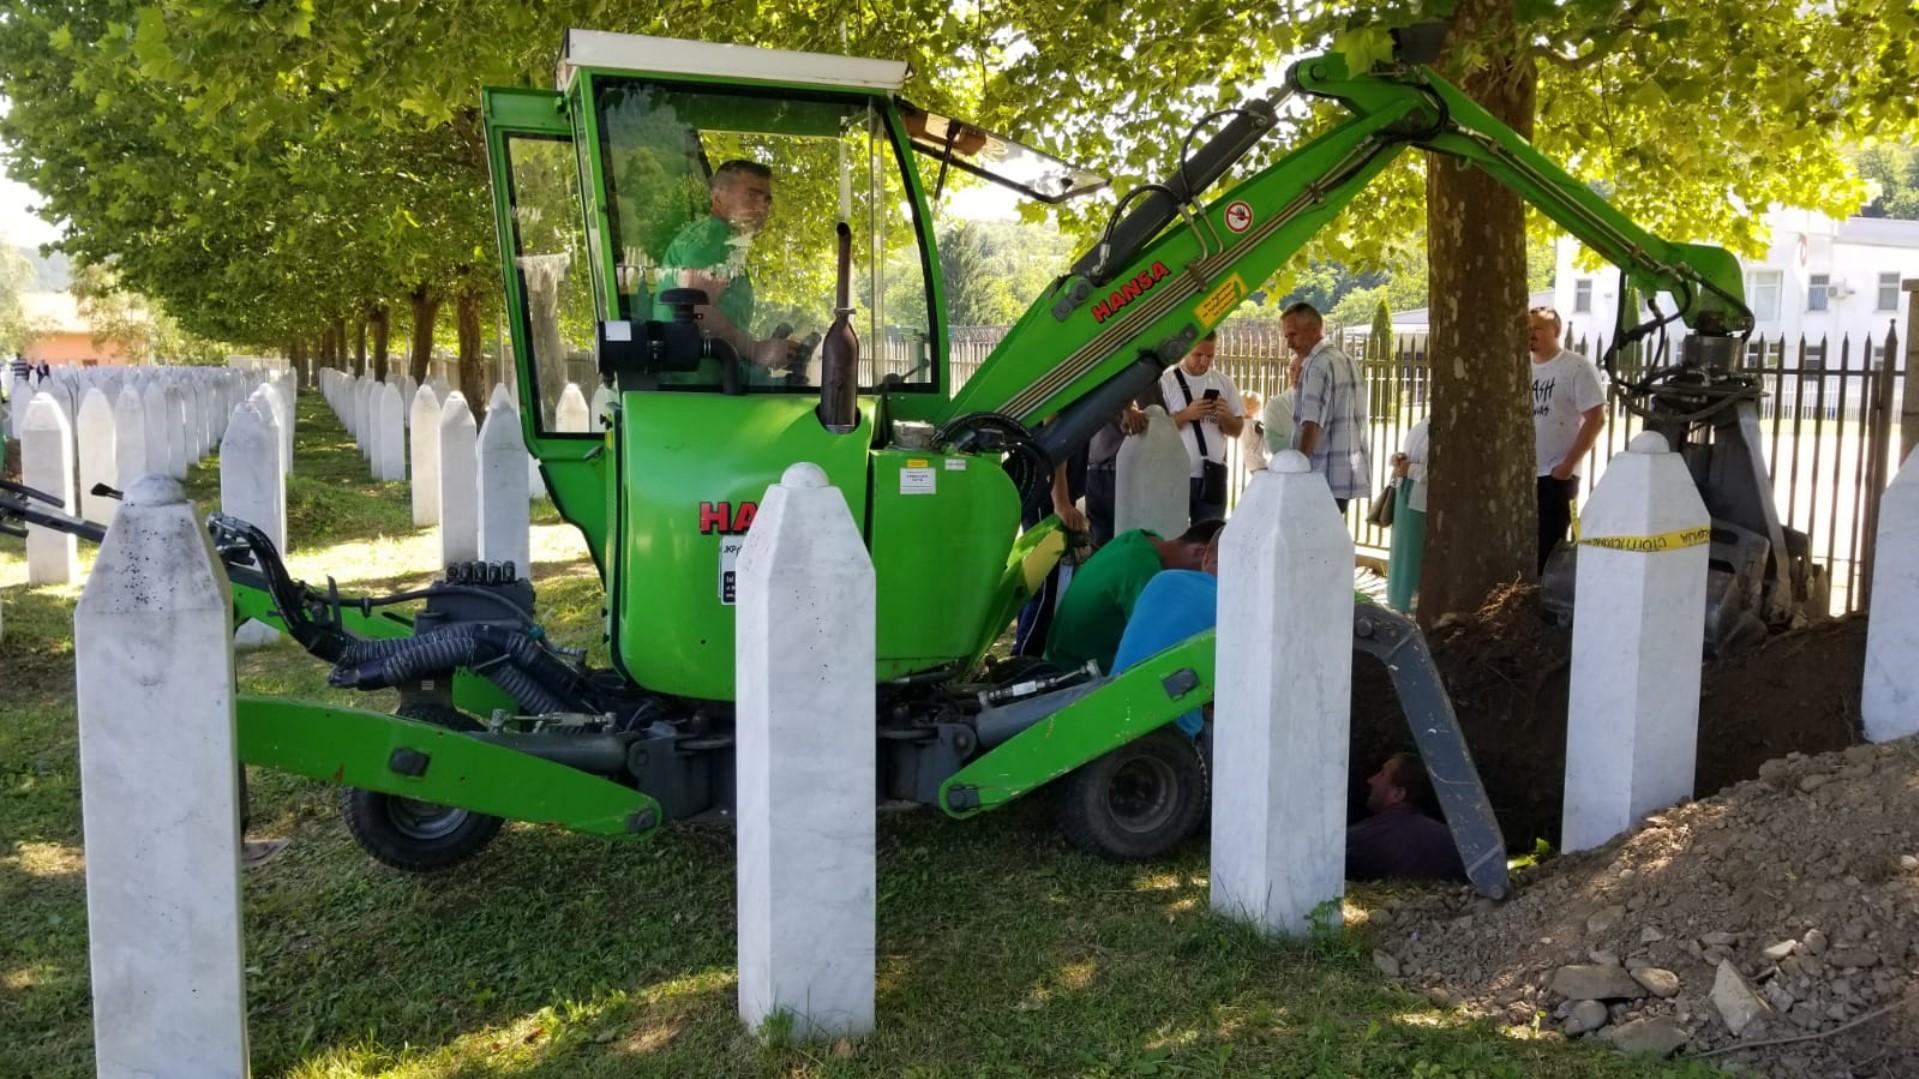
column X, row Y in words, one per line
column 1201, row 511
column 1102, row 499
column 1555, row 513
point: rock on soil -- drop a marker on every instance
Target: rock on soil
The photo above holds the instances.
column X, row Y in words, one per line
column 1712, row 892
column 1659, row 1037
column 1507, row 670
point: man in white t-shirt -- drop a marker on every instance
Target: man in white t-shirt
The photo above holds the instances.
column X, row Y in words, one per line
column 1569, row 407
column 1206, row 406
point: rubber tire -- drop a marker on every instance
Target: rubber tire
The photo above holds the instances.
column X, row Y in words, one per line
column 373, row 817
column 1177, row 786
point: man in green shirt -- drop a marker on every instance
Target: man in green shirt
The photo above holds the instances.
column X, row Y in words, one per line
column 710, row 255
column 1092, row 616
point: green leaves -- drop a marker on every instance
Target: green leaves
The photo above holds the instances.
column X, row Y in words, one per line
column 150, row 41
column 340, row 146
column 1364, row 47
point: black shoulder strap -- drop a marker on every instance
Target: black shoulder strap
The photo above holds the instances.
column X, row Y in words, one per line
column 1199, row 433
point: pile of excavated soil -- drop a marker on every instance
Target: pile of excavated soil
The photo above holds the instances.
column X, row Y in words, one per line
column 1785, row 908
column 1508, row 670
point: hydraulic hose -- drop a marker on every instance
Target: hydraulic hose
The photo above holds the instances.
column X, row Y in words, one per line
column 506, row 657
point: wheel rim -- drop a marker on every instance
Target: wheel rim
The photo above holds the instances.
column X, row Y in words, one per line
column 423, row 820
column 1143, row 795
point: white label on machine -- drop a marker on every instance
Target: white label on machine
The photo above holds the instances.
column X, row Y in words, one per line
column 729, row 568
column 620, row 330
column 918, row 481
column 956, row 464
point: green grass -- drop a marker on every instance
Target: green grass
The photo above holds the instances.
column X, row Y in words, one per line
column 1001, row 951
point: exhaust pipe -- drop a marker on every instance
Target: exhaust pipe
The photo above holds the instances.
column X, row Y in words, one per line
column 839, row 410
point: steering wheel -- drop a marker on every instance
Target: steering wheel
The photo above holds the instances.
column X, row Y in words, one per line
column 801, row 364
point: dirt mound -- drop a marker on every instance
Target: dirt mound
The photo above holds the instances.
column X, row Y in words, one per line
column 1507, row 669
column 1786, row 908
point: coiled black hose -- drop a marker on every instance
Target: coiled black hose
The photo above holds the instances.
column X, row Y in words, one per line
column 504, row 656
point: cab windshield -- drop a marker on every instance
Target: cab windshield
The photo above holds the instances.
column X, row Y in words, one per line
column 737, row 194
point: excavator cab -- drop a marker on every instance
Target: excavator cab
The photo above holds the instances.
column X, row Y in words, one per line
column 668, row 218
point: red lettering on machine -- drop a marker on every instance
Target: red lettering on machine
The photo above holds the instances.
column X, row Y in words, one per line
column 1131, row 290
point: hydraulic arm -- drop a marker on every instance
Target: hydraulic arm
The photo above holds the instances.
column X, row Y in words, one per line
column 1169, row 269
column 1166, row 270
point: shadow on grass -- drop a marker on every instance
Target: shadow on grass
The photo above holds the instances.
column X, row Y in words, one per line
column 1000, row 952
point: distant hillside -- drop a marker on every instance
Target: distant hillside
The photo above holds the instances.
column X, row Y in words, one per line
column 50, row 274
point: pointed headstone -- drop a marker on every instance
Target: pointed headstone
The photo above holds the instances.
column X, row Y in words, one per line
column 98, row 457
column 1285, row 681
column 46, row 464
column 389, row 463
column 571, row 415
column 459, row 483
column 160, row 801
column 505, row 522
column 805, row 642
column 375, row 430
column 261, row 402
column 1890, row 705
column 424, row 456
column 1632, row 730
column 159, row 456
column 280, row 398
column 129, row 437
column 253, row 488
column 601, row 407
column 1151, row 480
column 179, row 454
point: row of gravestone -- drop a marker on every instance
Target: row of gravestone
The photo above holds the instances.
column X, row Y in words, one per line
column 472, row 480
column 379, row 412
column 84, row 428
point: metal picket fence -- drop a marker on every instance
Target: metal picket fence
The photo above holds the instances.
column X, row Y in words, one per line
column 1830, row 419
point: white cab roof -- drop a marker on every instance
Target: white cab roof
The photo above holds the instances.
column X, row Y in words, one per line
column 670, row 56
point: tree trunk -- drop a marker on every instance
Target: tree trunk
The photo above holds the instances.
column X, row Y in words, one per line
column 297, row 357
column 426, row 309
column 359, row 347
column 472, row 379
column 1483, row 526
column 381, row 319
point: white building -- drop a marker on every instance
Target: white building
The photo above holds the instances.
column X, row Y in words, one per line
column 1822, row 278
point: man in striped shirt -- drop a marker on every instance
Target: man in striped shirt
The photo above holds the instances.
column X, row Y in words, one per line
column 1329, row 413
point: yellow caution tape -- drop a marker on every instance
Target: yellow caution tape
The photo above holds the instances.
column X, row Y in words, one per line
column 1664, row 541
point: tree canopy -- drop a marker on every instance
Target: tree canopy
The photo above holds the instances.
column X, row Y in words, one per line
column 264, row 167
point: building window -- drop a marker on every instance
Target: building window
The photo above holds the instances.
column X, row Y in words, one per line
column 1583, row 296
column 1888, row 292
column 1816, row 288
column 1762, row 293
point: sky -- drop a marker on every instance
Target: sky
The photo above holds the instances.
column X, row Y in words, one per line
column 18, row 225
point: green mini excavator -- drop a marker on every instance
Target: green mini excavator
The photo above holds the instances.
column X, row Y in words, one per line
column 675, row 219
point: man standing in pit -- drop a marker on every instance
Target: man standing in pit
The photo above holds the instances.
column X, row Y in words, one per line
column 1568, row 411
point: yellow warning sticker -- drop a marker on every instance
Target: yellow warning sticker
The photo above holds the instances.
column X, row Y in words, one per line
column 1222, row 301
column 917, row 462
column 1664, row 541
